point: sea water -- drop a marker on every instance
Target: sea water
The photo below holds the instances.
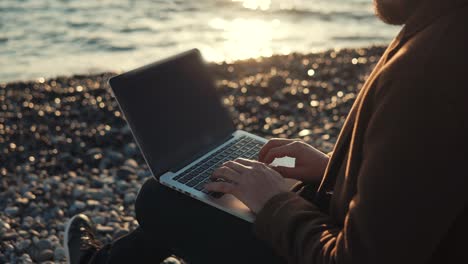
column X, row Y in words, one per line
column 45, row 38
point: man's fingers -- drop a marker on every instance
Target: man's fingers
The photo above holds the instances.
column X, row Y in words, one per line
column 277, row 153
column 284, row 171
column 240, row 168
column 223, row 187
column 227, row 174
column 245, row 162
column 273, row 143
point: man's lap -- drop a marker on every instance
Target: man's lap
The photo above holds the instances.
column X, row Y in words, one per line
column 197, row 231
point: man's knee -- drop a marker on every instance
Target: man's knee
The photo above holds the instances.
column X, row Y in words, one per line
column 148, row 193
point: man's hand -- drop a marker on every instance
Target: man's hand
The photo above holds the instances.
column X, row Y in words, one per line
column 310, row 162
column 252, row 182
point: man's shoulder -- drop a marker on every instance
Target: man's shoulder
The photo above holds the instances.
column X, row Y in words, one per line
column 434, row 58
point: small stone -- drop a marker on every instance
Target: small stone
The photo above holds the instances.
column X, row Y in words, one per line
column 79, row 180
column 96, row 194
column 129, row 198
column 79, row 205
column 97, row 183
column 4, row 224
column 72, row 174
column 142, row 174
column 23, row 233
column 120, row 232
column 22, row 200
column 59, row 254
column 23, row 245
column 99, row 219
column 34, row 233
column 104, row 229
column 125, row 130
column 131, row 163
column 45, row 255
column 93, row 151
column 12, row 210
column 78, row 191
column 114, row 156
column 125, row 173
column 131, row 149
column 9, row 247
column 44, row 244
column 121, row 186
column 25, row 258
column 9, row 236
column 54, row 240
column 92, row 203
column 171, row 260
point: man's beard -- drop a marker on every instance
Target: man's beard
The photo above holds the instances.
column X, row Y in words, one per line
column 395, row 12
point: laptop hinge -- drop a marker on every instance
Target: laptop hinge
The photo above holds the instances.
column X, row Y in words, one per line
column 199, row 154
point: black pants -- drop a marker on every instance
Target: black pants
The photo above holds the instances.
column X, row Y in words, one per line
column 171, row 222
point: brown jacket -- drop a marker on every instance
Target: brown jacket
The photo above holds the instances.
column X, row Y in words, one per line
column 398, row 177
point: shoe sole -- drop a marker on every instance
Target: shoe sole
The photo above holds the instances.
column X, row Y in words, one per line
column 65, row 237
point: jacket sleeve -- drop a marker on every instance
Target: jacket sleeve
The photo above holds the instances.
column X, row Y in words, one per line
column 411, row 184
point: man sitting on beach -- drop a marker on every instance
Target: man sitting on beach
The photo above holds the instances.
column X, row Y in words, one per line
column 393, row 191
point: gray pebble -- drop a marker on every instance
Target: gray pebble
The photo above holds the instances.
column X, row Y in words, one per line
column 125, row 173
column 45, row 255
column 98, row 219
column 54, row 240
column 9, row 247
column 114, row 156
column 28, row 221
column 9, row 235
column 25, row 258
column 130, row 149
column 12, row 210
column 79, row 180
column 122, row 187
column 23, row 245
column 59, row 254
column 79, row 205
column 120, row 232
column 126, row 130
column 44, row 244
column 78, row 191
column 143, row 174
column 129, row 198
column 93, row 151
column 96, row 194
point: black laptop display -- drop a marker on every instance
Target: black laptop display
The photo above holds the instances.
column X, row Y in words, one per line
column 176, row 109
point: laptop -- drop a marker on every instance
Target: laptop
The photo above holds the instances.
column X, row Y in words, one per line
column 181, row 127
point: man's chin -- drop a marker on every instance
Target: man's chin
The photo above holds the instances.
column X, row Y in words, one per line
column 394, row 12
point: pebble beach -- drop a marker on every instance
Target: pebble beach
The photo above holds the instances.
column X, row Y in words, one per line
column 65, row 147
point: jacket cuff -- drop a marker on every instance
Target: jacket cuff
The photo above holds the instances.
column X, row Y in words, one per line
column 267, row 217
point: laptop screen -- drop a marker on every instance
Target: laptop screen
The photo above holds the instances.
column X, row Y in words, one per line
column 173, row 110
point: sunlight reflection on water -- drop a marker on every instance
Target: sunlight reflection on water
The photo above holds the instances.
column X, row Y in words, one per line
column 243, row 38
column 255, row 4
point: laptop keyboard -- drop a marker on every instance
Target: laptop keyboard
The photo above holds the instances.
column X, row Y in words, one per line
column 199, row 174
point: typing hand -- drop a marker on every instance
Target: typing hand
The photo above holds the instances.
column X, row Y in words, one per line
column 310, row 162
column 252, row 182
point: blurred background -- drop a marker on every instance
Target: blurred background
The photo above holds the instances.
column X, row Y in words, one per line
column 46, row 38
